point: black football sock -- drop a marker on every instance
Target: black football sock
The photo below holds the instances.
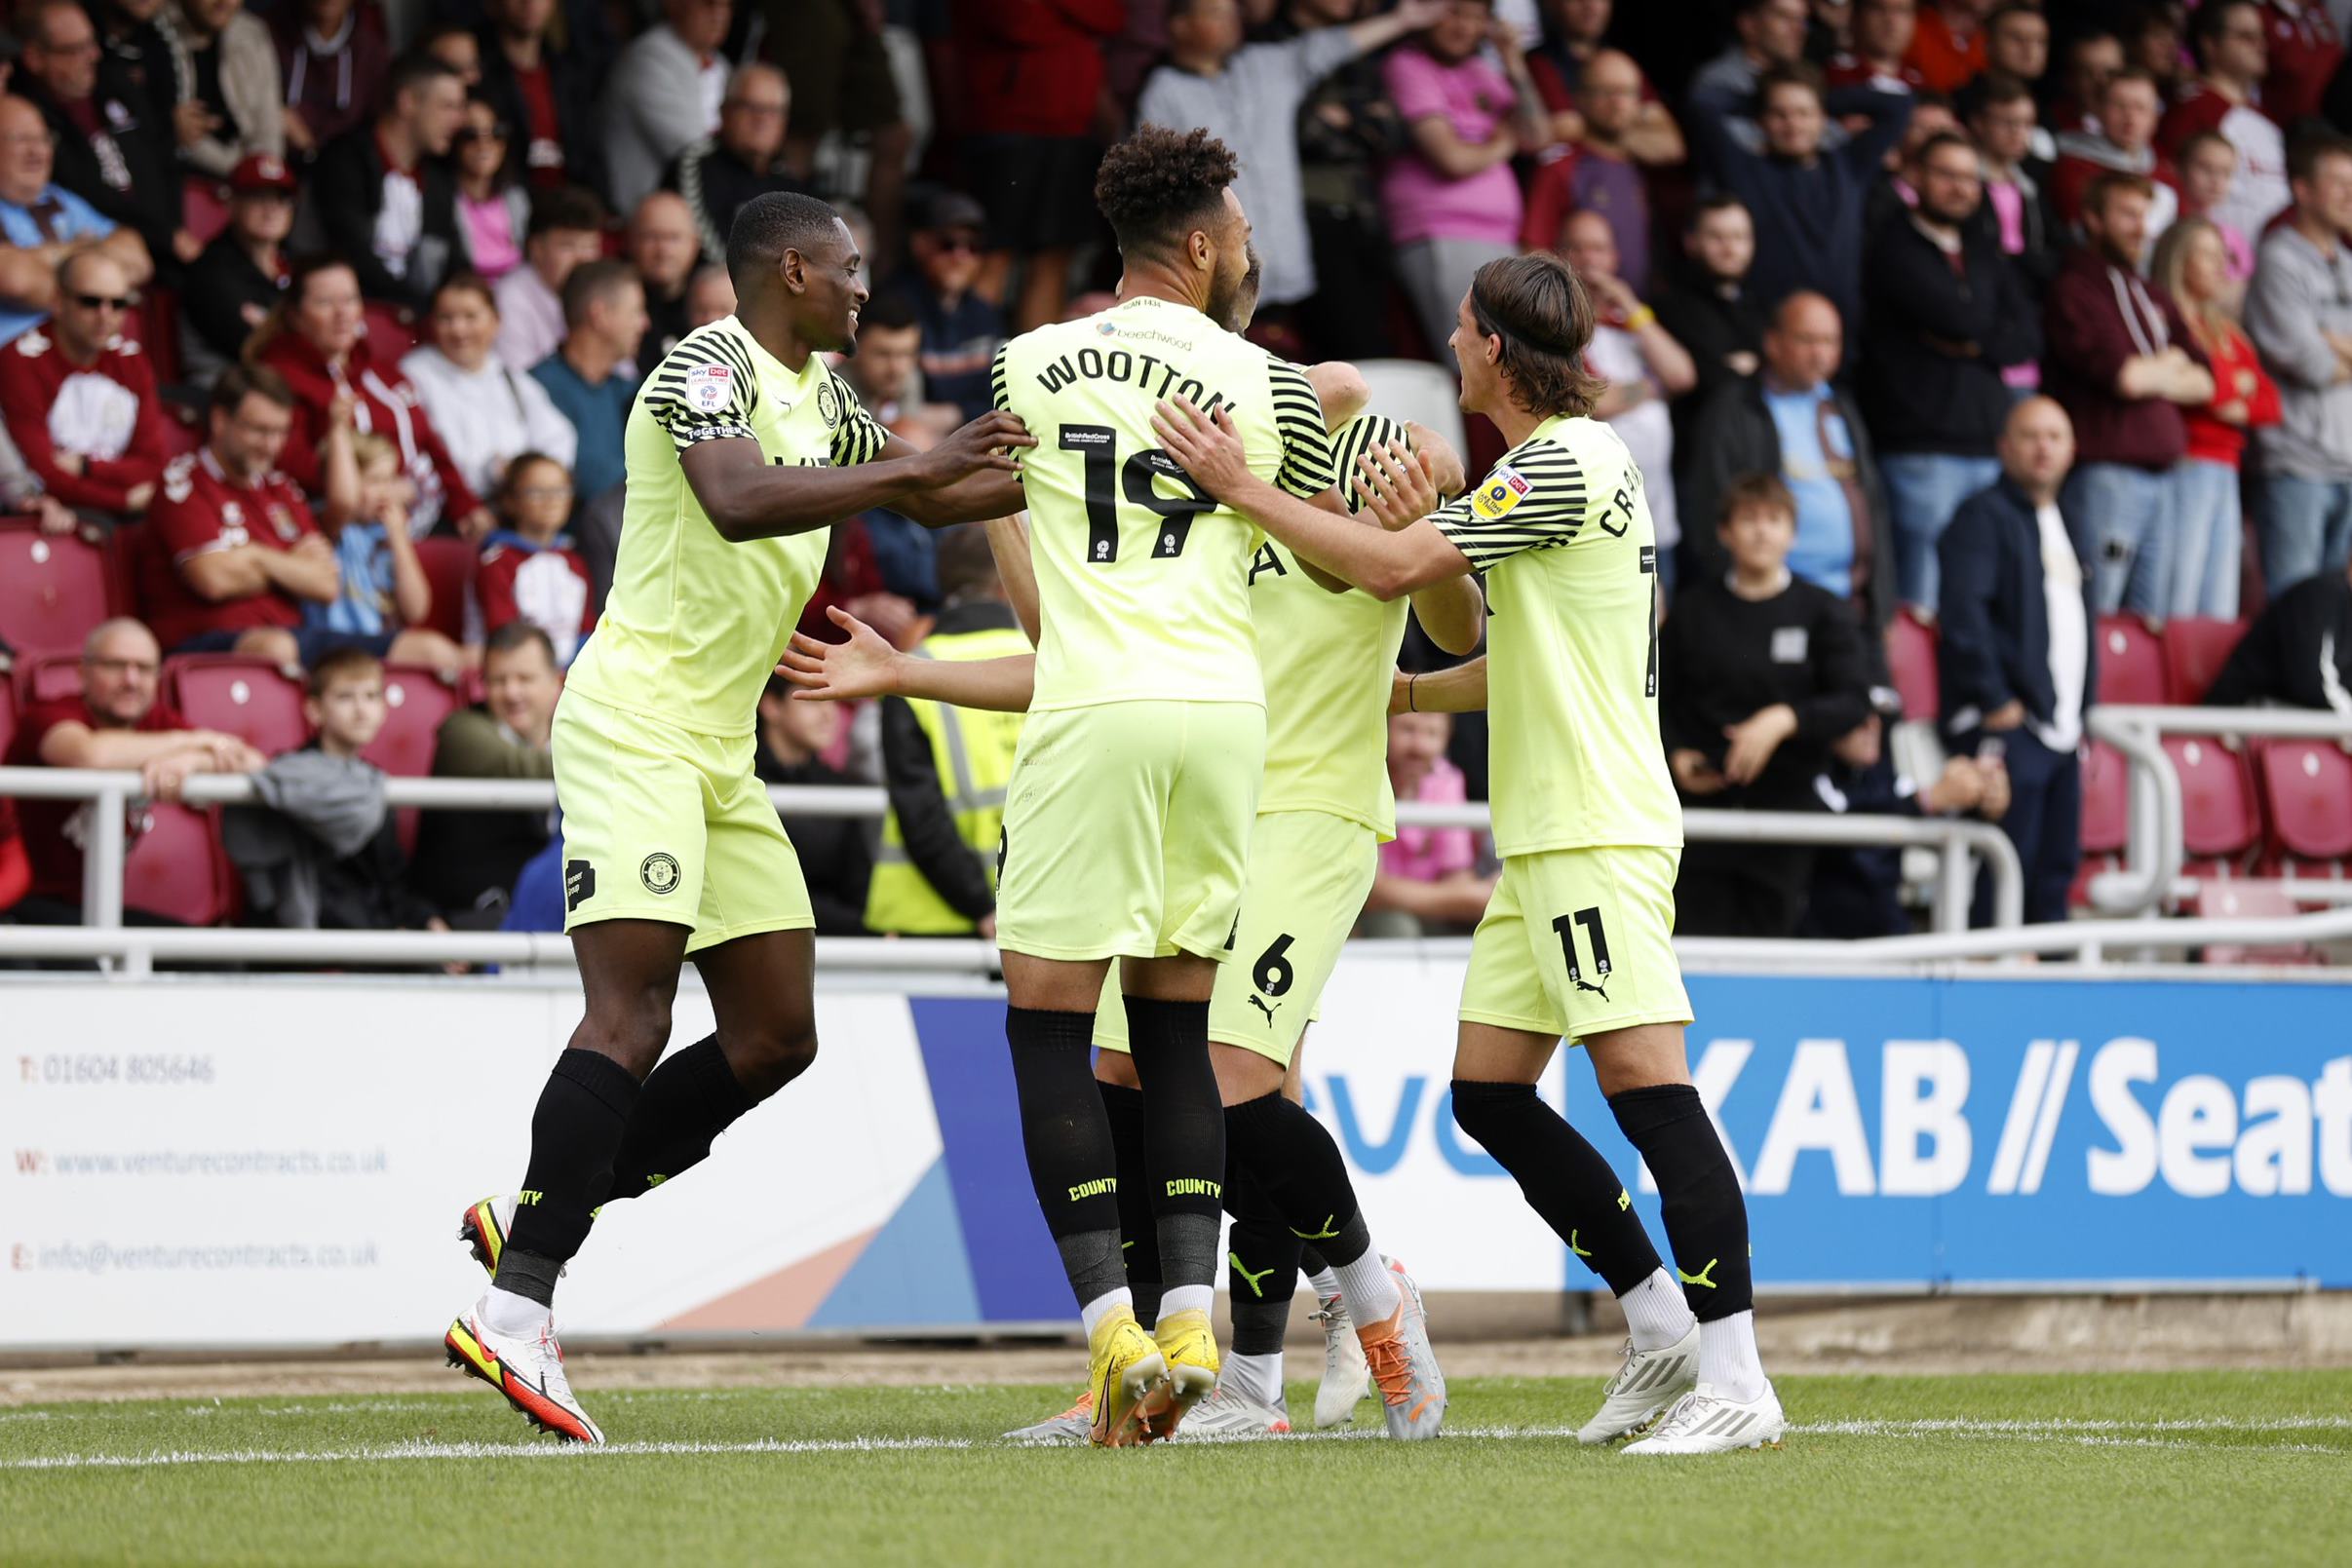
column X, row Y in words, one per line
column 1138, row 1230
column 1698, row 1195
column 1294, row 1161
column 575, row 1130
column 1186, row 1124
column 1261, row 1257
column 1563, row 1178
column 1067, row 1137
column 687, row 1101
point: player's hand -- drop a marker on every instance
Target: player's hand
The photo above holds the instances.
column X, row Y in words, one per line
column 1754, row 738
column 980, row 447
column 1399, row 486
column 1444, row 463
column 865, row 666
column 1206, row 446
column 1693, row 774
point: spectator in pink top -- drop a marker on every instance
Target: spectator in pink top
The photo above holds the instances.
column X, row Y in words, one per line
column 1451, row 202
column 1429, row 879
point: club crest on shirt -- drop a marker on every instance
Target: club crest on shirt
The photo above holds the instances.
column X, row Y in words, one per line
column 283, row 521
column 708, row 387
column 1504, row 490
column 829, row 405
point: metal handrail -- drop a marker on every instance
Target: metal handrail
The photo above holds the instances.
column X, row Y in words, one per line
column 1958, row 843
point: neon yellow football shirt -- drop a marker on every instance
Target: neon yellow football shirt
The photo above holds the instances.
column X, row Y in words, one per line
column 1144, row 580
column 1562, row 532
column 695, row 624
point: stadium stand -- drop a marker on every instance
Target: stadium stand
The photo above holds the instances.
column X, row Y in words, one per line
column 2221, row 823
column 176, row 870
column 54, row 588
column 251, row 699
column 2195, row 648
column 2130, row 660
column 2306, row 794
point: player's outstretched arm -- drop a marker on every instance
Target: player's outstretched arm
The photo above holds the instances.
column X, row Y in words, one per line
column 1459, row 690
column 1453, row 612
column 1009, row 543
column 867, row 666
column 1383, row 564
column 747, row 497
column 986, row 492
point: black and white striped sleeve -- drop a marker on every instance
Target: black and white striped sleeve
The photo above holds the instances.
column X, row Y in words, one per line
column 1534, row 499
column 859, row 436
column 1306, row 470
column 999, row 391
column 1350, row 441
column 705, row 390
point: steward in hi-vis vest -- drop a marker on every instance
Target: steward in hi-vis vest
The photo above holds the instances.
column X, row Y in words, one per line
column 946, row 769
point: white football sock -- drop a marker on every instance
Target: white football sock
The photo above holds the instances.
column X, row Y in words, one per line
column 1258, row 1376
column 1727, row 1358
column 1369, row 1289
column 1656, row 1311
column 503, row 1312
column 1326, row 1284
column 1185, row 1298
column 1102, row 1306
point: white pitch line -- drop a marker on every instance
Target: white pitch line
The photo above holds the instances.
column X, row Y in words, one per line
column 2083, row 1432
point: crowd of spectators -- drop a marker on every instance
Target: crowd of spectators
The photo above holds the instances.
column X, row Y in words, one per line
column 294, row 294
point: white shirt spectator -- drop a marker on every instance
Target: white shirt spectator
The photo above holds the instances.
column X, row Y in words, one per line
column 530, row 318
column 1647, row 429
column 2069, row 631
column 489, row 417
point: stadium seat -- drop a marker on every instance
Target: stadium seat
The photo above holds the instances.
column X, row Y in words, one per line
column 2307, row 792
column 177, row 869
column 249, row 697
column 471, row 692
column 2130, row 660
column 1423, row 393
column 2106, row 817
column 1910, row 658
column 391, row 332
column 2219, row 821
column 7, row 718
column 183, row 431
column 2195, row 648
column 448, row 566
column 53, row 590
column 46, row 678
column 2251, row 900
column 415, row 702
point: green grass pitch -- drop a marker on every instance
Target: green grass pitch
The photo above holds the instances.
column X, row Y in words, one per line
column 2192, row 1468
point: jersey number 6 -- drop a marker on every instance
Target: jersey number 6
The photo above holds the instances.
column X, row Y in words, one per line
column 1099, row 446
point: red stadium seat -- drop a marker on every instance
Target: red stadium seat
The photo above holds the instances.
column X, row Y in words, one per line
column 176, row 868
column 2130, row 660
column 415, row 702
column 249, row 697
column 2219, row 821
column 2251, row 900
column 2307, row 789
column 183, row 431
column 2107, row 816
column 1910, row 657
column 390, row 333
column 49, row 677
column 2195, row 648
column 448, row 566
column 53, row 590
column 7, row 718
column 471, row 692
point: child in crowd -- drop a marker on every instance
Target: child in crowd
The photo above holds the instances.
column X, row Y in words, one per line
column 2208, row 165
column 1758, row 672
column 529, row 570
column 322, row 852
column 385, row 591
column 1429, row 880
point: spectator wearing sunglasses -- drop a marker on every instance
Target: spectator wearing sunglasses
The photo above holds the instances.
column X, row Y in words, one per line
column 961, row 330
column 493, row 212
column 720, row 173
column 80, row 401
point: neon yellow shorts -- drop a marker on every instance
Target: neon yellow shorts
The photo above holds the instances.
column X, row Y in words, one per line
column 1577, row 942
column 1309, row 875
column 665, row 823
column 1126, row 826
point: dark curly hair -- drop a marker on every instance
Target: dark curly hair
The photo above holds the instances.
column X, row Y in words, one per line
column 1535, row 304
column 1159, row 185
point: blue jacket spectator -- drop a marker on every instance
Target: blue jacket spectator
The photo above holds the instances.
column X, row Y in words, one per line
column 42, row 224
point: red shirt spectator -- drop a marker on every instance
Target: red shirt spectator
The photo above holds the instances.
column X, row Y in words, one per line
column 2303, row 53
column 115, row 722
column 1947, row 46
column 1033, row 70
column 2100, row 316
column 529, row 570
column 2229, row 36
column 2124, row 143
column 322, row 349
column 231, row 548
column 80, row 401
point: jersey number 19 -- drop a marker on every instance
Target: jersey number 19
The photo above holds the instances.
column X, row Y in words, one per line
column 1099, row 446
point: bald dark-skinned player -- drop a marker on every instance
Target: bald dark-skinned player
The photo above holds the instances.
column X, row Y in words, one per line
column 742, row 449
